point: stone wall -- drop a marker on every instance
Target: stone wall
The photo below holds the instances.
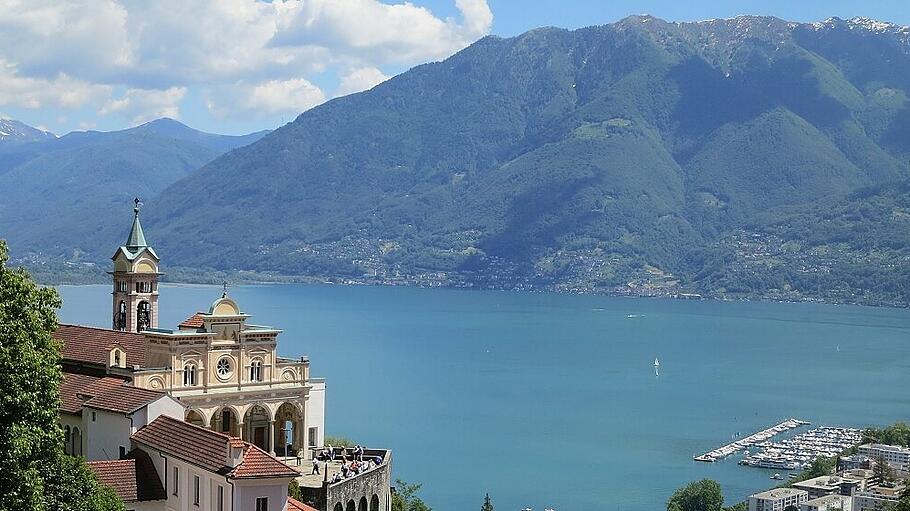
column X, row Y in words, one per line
column 350, row 494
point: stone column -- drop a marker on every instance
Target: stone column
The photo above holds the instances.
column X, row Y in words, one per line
column 240, row 430
column 271, row 437
column 300, row 439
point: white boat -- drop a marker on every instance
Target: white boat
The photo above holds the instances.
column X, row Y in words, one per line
column 656, row 362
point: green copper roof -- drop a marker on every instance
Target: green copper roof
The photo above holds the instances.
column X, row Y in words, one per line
column 136, row 239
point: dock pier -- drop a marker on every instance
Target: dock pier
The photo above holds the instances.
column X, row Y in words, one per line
column 734, row 447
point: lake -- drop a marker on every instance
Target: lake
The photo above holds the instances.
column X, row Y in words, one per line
column 552, row 400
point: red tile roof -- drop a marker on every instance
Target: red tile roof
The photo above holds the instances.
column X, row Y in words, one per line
column 296, row 505
column 209, row 449
column 194, row 321
column 76, row 389
column 123, row 399
column 132, row 479
column 258, row 463
column 195, row 444
column 119, row 475
column 90, row 344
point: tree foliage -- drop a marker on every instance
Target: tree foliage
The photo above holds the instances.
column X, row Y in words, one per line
column 704, row 495
column 405, row 498
column 895, row 434
column 36, row 474
column 883, row 471
column 820, row 466
column 487, row 503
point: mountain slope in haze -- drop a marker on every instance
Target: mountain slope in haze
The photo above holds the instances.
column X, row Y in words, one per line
column 63, row 195
column 15, row 132
column 620, row 158
column 575, row 159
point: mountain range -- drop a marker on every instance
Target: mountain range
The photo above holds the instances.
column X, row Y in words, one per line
column 65, row 190
column 749, row 156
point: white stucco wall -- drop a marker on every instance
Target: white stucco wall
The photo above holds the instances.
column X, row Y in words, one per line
column 316, row 411
column 246, row 493
column 104, row 433
column 165, row 406
column 208, row 486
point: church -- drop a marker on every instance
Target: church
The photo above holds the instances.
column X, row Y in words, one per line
column 206, row 415
column 224, row 369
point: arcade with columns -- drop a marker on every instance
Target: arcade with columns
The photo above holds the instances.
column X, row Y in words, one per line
column 224, row 370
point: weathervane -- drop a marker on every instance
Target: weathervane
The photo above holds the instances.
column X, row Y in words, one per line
column 224, row 289
column 138, row 203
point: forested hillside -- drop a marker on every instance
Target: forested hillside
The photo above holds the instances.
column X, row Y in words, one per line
column 642, row 157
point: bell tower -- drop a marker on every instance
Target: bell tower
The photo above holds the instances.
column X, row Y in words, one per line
column 135, row 280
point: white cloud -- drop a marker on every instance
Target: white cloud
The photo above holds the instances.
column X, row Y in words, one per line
column 60, row 91
column 360, row 80
column 402, row 33
column 270, row 97
column 141, row 105
column 83, row 50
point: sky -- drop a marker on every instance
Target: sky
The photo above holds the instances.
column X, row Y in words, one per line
column 238, row 66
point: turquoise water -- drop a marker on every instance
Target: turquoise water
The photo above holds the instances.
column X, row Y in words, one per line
column 551, row 400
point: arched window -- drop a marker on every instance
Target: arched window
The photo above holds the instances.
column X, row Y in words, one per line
column 143, row 316
column 363, row 504
column 189, row 375
column 256, row 370
column 374, row 503
column 66, row 440
column 76, row 449
column 117, row 358
column 120, row 318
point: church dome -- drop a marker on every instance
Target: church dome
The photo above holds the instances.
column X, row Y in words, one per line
column 224, row 306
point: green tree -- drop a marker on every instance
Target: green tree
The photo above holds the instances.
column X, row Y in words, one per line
column 405, row 497
column 820, row 467
column 36, row 474
column 71, row 486
column 487, row 503
column 294, row 490
column 883, row 471
column 704, row 495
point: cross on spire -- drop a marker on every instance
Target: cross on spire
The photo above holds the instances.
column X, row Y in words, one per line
column 224, row 289
column 138, row 203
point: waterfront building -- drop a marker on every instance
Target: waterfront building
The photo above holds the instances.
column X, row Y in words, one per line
column 875, row 500
column 896, row 456
column 777, row 499
column 828, row 503
column 856, row 461
column 843, row 483
column 225, row 370
column 204, row 409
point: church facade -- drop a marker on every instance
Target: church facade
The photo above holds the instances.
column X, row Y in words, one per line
column 221, row 367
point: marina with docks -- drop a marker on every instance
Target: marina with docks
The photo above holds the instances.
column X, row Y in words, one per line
column 799, row 452
column 753, row 439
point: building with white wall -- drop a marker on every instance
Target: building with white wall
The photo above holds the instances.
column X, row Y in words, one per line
column 99, row 414
column 896, row 455
column 224, row 369
column 777, row 499
column 828, row 503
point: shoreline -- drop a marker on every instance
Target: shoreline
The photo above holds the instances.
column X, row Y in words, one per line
column 307, row 280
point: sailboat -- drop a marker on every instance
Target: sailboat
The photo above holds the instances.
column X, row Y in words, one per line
column 656, row 363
